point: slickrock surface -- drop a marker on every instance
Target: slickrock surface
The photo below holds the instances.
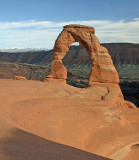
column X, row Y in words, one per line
column 36, row 116
column 51, row 120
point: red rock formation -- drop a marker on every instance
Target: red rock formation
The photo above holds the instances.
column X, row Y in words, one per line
column 103, row 72
column 102, row 69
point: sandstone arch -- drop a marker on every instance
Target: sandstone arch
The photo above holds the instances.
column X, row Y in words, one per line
column 102, row 68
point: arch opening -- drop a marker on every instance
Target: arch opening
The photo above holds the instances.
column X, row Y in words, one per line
column 78, row 65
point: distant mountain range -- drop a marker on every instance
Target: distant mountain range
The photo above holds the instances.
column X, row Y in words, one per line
column 21, row 49
column 121, row 53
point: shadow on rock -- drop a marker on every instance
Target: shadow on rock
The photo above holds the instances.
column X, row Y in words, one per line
column 22, row 145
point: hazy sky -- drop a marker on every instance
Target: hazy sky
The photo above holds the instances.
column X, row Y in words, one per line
column 37, row 23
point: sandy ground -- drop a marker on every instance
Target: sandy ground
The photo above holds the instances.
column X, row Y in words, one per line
column 55, row 121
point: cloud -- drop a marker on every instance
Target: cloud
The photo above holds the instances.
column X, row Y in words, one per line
column 44, row 33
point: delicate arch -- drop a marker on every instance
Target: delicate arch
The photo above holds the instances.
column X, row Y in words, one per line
column 102, row 68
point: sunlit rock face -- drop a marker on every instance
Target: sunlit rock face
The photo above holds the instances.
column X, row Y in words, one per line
column 102, row 68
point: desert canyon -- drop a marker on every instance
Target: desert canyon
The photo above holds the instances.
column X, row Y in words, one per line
column 52, row 120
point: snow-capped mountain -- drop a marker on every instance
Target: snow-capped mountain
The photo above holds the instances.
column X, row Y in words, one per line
column 21, row 49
